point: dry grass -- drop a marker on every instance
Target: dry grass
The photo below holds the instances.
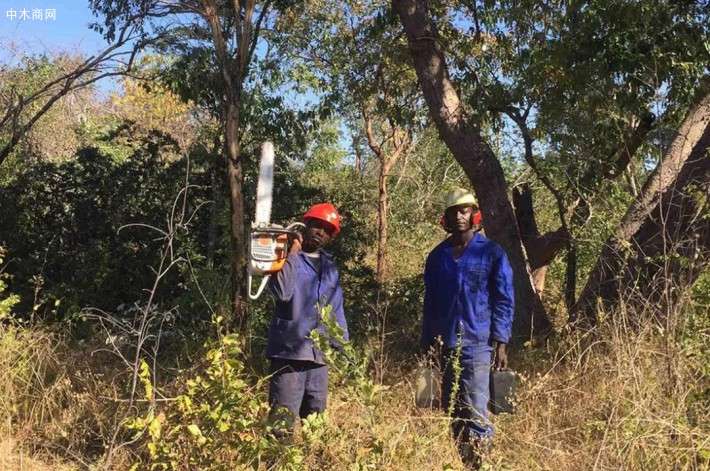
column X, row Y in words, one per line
column 13, row 458
column 620, row 399
column 614, row 399
column 389, row 435
column 618, row 403
column 29, row 360
column 32, row 393
column 56, row 403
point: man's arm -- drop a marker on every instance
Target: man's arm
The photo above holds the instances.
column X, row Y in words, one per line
column 503, row 306
column 428, row 310
column 283, row 284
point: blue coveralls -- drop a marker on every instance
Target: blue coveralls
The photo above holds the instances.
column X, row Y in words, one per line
column 469, row 300
column 299, row 380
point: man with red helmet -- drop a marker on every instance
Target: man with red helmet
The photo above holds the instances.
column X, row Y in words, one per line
column 468, row 311
column 308, row 281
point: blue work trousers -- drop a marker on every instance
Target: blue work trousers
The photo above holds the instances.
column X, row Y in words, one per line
column 297, row 389
column 470, row 408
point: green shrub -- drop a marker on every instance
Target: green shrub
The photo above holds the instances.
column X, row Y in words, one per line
column 219, row 420
column 7, row 301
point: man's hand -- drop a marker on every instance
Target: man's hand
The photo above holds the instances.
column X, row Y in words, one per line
column 500, row 359
column 295, row 241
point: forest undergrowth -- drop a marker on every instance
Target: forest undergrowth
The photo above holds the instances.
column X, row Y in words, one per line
column 621, row 396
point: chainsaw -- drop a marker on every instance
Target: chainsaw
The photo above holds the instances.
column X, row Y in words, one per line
column 268, row 244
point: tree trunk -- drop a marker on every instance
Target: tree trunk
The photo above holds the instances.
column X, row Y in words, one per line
column 214, row 171
column 382, row 226
column 532, row 240
column 632, row 143
column 603, row 279
column 571, row 277
column 233, row 64
column 673, row 244
column 541, row 249
column 631, row 181
column 399, row 142
column 475, row 156
column 236, row 202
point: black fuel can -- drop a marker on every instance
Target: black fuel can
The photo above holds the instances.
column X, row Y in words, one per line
column 502, row 389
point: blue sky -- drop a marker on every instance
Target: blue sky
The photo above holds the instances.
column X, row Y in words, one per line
column 69, row 31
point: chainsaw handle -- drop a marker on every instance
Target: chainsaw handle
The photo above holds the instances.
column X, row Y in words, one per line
column 296, row 225
column 274, row 231
column 260, row 290
column 291, row 229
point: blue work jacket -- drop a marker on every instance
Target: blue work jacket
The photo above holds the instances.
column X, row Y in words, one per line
column 471, row 299
column 299, row 289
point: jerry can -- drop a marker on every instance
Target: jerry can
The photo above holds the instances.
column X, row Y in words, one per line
column 502, row 389
column 427, row 386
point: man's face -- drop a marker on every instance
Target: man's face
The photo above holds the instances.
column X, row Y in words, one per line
column 318, row 233
column 458, row 218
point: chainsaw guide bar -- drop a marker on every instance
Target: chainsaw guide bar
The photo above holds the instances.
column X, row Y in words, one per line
column 268, row 243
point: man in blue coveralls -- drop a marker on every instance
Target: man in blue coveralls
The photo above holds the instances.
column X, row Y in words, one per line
column 468, row 311
column 308, row 280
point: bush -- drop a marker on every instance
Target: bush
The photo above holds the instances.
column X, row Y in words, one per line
column 218, row 421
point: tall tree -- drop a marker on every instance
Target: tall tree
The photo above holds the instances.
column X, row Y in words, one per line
column 398, row 140
column 586, row 80
column 662, row 219
column 467, row 144
column 222, row 37
column 580, row 82
column 351, row 53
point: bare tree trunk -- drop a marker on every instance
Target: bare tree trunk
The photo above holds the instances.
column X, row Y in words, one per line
column 213, row 168
column 236, row 202
column 359, row 160
column 571, row 277
column 233, row 66
column 631, row 181
column 632, row 143
column 476, row 158
column 690, row 140
column 541, row 249
column 382, row 227
column 214, row 214
column 673, row 244
column 399, row 142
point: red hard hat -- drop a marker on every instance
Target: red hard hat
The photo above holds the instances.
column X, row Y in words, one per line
column 325, row 212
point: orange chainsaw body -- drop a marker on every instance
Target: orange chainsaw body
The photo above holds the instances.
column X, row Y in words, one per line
column 268, row 252
column 268, row 249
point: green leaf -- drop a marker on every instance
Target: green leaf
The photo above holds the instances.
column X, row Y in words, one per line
column 194, row 430
column 155, row 428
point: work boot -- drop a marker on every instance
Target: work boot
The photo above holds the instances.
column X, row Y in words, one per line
column 469, row 456
column 473, row 451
